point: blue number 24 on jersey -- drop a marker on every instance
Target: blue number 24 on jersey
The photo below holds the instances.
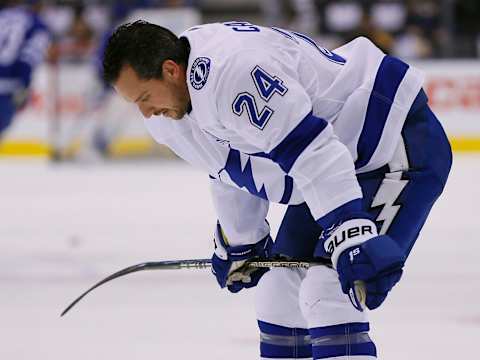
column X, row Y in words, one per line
column 267, row 85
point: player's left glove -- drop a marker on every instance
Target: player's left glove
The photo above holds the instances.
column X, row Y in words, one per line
column 228, row 262
column 358, row 253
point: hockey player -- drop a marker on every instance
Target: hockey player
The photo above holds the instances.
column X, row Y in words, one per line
column 24, row 39
column 345, row 139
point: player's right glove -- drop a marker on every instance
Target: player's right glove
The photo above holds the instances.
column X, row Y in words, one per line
column 359, row 254
column 228, row 262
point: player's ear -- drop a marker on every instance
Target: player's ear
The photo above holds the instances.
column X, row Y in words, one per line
column 170, row 69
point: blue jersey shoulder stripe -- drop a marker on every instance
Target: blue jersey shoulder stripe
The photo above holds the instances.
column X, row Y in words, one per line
column 389, row 76
column 287, row 152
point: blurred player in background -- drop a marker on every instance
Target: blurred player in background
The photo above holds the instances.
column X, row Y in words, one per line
column 306, row 17
column 24, row 40
column 346, row 139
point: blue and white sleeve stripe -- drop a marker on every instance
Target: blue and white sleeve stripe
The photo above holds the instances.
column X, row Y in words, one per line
column 287, row 152
column 387, row 81
column 395, row 89
column 319, row 164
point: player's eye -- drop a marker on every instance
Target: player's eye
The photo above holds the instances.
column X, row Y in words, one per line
column 145, row 98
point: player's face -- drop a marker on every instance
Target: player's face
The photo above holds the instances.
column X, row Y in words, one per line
column 167, row 96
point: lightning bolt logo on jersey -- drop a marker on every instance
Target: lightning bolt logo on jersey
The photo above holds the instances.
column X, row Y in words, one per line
column 199, row 72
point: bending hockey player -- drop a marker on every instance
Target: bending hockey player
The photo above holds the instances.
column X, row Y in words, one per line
column 345, row 139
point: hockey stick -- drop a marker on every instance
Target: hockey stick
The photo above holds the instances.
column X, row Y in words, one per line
column 207, row 263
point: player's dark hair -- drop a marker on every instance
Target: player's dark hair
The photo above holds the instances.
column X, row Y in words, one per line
column 143, row 46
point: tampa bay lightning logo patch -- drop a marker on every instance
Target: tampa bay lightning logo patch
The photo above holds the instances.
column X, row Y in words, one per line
column 199, row 72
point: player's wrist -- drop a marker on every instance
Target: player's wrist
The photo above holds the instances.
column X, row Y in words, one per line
column 348, row 234
column 225, row 251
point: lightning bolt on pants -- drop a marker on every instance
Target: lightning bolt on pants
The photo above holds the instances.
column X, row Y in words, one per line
column 401, row 194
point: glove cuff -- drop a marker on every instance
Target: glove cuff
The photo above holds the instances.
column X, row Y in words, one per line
column 350, row 233
column 243, row 252
column 240, row 252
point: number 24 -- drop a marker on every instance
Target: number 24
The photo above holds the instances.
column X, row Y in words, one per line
column 267, row 85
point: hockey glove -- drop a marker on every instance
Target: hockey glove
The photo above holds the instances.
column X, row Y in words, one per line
column 228, row 262
column 358, row 253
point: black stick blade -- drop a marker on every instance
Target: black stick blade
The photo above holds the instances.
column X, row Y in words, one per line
column 128, row 270
column 152, row 265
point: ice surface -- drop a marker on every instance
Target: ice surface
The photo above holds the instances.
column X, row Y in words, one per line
column 64, row 227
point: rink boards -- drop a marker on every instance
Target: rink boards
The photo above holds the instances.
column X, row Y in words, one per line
column 62, row 115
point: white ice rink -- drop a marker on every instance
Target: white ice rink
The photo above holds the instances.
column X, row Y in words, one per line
column 64, row 227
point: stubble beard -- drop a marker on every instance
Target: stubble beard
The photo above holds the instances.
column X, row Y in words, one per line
column 183, row 104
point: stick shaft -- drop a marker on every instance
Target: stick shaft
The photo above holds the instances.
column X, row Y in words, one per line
column 261, row 263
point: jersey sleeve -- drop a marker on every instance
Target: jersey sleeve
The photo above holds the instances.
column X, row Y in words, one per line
column 262, row 99
column 243, row 223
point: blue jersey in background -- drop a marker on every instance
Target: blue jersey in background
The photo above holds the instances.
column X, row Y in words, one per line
column 24, row 39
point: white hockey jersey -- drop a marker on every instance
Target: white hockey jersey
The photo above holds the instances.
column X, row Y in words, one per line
column 277, row 118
